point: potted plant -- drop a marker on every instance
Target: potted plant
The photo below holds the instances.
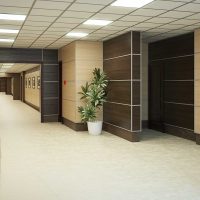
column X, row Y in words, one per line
column 93, row 95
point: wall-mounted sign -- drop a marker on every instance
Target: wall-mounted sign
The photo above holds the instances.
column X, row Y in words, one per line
column 65, row 82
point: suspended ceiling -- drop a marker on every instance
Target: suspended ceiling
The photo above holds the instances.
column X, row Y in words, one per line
column 48, row 21
column 17, row 67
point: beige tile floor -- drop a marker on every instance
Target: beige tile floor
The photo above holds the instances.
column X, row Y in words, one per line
column 52, row 162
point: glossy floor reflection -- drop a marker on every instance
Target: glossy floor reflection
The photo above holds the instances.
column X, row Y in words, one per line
column 52, row 162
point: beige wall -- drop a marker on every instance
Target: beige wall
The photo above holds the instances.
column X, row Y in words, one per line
column 32, row 95
column 144, row 81
column 78, row 60
column 197, row 81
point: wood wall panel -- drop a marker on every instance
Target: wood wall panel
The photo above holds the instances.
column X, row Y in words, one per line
column 172, row 47
column 119, row 92
column 179, row 92
column 8, row 86
column 119, row 68
column 2, row 84
column 179, row 68
column 197, row 85
column 122, row 65
column 136, row 93
column 78, row 61
column 179, row 115
column 118, row 46
column 136, row 67
column 171, row 88
column 116, row 114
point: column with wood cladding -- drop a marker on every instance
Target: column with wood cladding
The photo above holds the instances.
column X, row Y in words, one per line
column 122, row 65
column 197, row 85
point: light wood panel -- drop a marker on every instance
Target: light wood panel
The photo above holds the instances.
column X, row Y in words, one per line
column 78, row 61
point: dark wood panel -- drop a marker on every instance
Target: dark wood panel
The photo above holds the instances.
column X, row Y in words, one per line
column 172, row 47
column 136, row 67
column 117, row 46
column 179, row 68
column 119, row 115
column 155, row 92
column 75, row 126
column 180, row 132
column 198, row 139
column 50, row 89
column 118, row 68
column 50, row 106
column 8, row 85
column 16, row 87
column 50, row 118
column 50, row 56
column 20, row 55
column 128, row 135
column 136, row 42
column 179, row 115
column 136, row 118
column 179, row 92
column 136, row 92
column 119, row 91
column 51, row 72
column 2, row 84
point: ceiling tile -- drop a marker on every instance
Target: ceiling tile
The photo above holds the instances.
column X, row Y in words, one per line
column 75, row 14
column 147, row 25
column 70, row 20
column 165, row 5
column 35, row 28
column 176, row 14
column 186, row 21
column 148, row 12
column 51, row 5
column 63, row 25
column 131, row 18
column 32, row 23
column 17, row 3
column 41, row 18
column 104, row 16
column 85, row 7
column 172, row 26
column 191, row 7
column 14, row 10
column 118, row 10
column 44, row 12
column 160, row 20
column 103, row 2
column 195, row 16
column 124, row 23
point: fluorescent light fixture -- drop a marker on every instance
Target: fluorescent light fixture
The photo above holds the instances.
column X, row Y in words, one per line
column 6, row 66
column 131, row 3
column 12, row 17
column 97, row 22
column 7, row 40
column 76, row 34
column 8, row 31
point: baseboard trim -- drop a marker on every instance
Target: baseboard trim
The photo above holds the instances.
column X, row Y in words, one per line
column 74, row 126
column 125, row 134
column 198, row 138
column 145, row 124
column 180, row 132
column 33, row 106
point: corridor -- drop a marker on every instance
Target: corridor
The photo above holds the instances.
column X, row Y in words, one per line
column 51, row 162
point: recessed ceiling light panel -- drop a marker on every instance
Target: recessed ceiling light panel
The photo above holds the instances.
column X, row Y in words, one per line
column 8, row 31
column 7, row 65
column 76, row 34
column 7, row 40
column 131, row 3
column 12, row 17
column 97, row 22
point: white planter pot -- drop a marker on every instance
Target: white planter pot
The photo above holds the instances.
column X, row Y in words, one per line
column 95, row 128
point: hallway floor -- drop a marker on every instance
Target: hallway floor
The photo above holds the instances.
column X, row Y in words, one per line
column 52, row 162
